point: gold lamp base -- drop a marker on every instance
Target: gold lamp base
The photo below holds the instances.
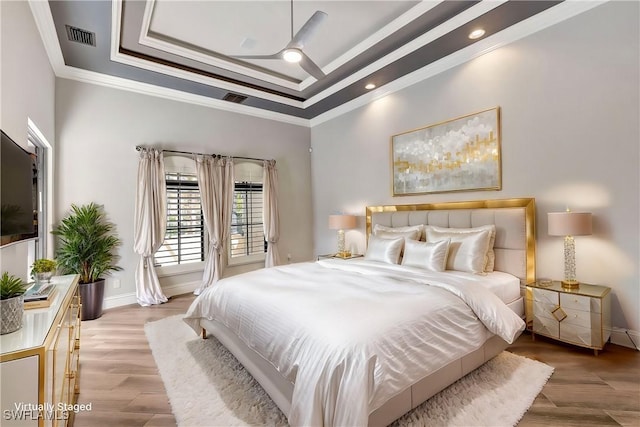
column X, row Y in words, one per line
column 570, row 284
column 343, row 254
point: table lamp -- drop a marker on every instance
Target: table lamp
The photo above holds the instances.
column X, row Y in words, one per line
column 569, row 224
column 341, row 223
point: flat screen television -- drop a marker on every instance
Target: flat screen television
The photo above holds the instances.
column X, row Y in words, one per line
column 18, row 192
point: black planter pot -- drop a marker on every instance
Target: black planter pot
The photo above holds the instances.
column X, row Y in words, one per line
column 91, row 297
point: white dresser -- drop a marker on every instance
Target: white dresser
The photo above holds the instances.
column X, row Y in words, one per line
column 579, row 316
column 40, row 362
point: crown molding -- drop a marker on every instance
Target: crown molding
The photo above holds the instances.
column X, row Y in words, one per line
column 431, row 35
column 146, row 39
column 393, row 26
column 545, row 19
column 442, row 29
column 117, row 56
column 44, row 22
column 113, row 82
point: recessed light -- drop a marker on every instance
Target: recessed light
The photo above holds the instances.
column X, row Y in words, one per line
column 370, row 86
column 292, row 55
column 476, row 34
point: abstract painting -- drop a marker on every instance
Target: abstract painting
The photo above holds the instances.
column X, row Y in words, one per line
column 461, row 154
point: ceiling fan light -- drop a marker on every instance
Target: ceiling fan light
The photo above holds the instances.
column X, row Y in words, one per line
column 292, row 55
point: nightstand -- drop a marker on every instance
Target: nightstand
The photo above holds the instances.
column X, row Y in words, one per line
column 336, row 256
column 579, row 316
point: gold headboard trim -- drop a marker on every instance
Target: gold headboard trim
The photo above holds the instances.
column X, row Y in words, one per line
column 530, row 219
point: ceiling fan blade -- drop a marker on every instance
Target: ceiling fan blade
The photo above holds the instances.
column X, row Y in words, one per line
column 310, row 67
column 274, row 56
column 304, row 34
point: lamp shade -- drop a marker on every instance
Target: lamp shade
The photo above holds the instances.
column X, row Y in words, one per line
column 342, row 222
column 569, row 223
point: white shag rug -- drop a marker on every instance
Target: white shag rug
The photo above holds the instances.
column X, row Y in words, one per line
column 207, row 386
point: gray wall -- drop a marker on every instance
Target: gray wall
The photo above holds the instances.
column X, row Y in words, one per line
column 97, row 129
column 27, row 89
column 570, row 127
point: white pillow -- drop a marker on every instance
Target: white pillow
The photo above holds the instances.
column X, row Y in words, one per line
column 469, row 246
column 384, row 250
column 491, row 255
column 413, row 232
column 428, row 255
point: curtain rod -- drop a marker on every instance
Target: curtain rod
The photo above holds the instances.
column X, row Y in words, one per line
column 138, row 148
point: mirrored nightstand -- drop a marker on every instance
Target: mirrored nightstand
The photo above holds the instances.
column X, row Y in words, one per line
column 580, row 316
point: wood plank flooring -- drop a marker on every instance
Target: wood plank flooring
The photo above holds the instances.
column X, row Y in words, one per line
column 120, row 379
column 118, row 374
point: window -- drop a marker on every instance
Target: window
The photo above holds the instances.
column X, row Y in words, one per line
column 185, row 244
column 184, row 239
column 247, row 235
column 247, row 243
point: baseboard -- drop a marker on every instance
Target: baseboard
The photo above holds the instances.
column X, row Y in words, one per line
column 119, row 300
column 182, row 288
column 130, row 298
column 619, row 336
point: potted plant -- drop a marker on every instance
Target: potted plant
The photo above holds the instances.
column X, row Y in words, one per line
column 43, row 269
column 11, row 303
column 87, row 248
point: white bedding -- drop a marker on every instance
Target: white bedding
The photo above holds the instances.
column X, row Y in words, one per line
column 355, row 333
column 504, row 285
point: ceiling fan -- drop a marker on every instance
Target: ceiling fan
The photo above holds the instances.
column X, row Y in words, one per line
column 293, row 51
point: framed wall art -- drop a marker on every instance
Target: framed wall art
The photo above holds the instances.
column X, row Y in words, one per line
column 461, row 154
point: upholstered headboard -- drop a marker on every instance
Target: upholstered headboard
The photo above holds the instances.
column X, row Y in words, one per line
column 514, row 219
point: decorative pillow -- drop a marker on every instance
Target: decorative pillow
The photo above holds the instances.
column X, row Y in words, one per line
column 491, row 255
column 469, row 247
column 428, row 255
column 413, row 232
column 384, row 250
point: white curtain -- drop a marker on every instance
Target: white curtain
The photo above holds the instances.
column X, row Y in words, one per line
column 149, row 225
column 215, row 179
column 270, row 218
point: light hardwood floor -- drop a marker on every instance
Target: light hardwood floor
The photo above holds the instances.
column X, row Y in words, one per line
column 120, row 379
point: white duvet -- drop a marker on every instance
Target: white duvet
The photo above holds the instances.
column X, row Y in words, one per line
column 351, row 335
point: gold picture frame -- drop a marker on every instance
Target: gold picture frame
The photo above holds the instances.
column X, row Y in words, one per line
column 461, row 154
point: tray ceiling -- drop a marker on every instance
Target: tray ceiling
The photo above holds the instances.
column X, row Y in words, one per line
column 192, row 47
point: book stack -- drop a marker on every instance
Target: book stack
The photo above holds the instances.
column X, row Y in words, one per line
column 40, row 295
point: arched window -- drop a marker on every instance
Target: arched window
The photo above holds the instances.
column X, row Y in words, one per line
column 184, row 241
column 246, row 239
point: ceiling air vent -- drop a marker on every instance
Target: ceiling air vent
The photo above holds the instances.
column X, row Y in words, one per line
column 234, row 97
column 79, row 35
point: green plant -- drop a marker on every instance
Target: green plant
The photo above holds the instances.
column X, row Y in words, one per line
column 43, row 265
column 11, row 286
column 87, row 243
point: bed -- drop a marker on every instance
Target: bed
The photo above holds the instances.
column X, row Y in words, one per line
column 336, row 342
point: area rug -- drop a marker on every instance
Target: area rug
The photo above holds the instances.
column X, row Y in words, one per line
column 207, row 386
